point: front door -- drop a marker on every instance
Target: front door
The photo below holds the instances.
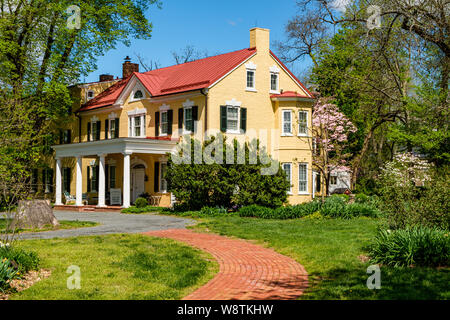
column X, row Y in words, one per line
column 137, row 182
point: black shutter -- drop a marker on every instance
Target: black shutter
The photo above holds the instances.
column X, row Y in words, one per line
column 180, row 118
column 99, row 127
column 69, row 136
column 243, row 120
column 44, row 181
column 88, row 131
column 194, row 117
column 169, row 121
column 223, row 118
column 116, row 135
column 106, row 128
column 156, row 177
column 88, row 171
column 157, row 124
column 61, row 137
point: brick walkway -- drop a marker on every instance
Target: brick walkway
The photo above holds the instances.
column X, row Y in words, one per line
column 247, row 271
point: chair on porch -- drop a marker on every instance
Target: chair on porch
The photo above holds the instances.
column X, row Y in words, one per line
column 69, row 197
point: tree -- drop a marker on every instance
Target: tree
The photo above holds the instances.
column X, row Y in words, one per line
column 330, row 127
column 217, row 174
column 45, row 46
column 188, row 54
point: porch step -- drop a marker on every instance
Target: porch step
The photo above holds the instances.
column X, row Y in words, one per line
column 87, row 209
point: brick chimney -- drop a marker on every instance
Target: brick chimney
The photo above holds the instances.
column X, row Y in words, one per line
column 128, row 68
column 106, row 77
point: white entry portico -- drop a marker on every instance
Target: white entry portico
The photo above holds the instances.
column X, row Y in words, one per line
column 101, row 149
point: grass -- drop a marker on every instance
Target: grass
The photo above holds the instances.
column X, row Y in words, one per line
column 63, row 224
column 331, row 251
column 119, row 267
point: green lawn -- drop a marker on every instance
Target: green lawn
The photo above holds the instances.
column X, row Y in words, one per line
column 63, row 224
column 329, row 250
column 119, row 267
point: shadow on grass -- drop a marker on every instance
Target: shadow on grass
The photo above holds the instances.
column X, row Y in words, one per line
column 396, row 284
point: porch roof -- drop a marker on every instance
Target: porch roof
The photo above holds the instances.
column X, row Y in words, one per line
column 120, row 145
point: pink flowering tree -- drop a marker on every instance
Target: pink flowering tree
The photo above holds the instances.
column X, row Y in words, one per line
column 330, row 129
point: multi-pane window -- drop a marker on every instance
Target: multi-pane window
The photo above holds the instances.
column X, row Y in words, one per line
column 303, row 123
column 163, row 182
column 164, row 122
column 287, row 122
column 287, row 167
column 318, row 182
column 303, row 178
column 94, row 131
column 112, row 129
column 137, row 126
column 274, row 81
column 90, row 95
column 138, row 95
column 48, row 180
column 188, row 120
column 233, row 118
column 333, row 180
column 250, row 79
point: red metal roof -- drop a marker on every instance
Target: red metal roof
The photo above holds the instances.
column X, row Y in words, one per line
column 188, row 76
column 289, row 94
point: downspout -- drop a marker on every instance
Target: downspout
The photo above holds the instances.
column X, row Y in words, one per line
column 205, row 93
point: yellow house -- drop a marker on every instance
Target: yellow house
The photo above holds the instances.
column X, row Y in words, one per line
column 116, row 147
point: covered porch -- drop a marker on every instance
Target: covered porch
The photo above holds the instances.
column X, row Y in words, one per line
column 137, row 163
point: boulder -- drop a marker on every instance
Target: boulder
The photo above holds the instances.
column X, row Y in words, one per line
column 33, row 214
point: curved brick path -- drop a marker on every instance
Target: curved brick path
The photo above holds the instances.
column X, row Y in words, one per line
column 247, row 271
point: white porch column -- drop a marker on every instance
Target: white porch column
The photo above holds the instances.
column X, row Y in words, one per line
column 58, row 195
column 79, row 184
column 101, row 182
column 126, row 179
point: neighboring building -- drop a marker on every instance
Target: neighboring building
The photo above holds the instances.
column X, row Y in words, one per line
column 340, row 181
column 123, row 129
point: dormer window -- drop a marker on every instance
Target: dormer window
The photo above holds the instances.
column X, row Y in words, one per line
column 90, row 95
column 138, row 95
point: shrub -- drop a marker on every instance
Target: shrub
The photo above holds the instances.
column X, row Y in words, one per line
column 361, row 209
column 143, row 209
column 256, row 211
column 418, row 246
column 413, row 194
column 315, row 216
column 220, row 184
column 334, row 206
column 141, row 203
column 208, row 211
column 7, row 273
column 25, row 260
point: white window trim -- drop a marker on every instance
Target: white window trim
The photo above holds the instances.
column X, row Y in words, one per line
column 307, row 180
column 334, row 184
column 290, row 175
column 250, row 66
column 94, row 119
column 161, row 178
column 131, row 127
column 307, row 127
column 110, row 121
column 276, row 71
column 285, row 134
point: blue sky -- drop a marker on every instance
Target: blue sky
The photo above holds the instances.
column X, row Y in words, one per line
column 215, row 26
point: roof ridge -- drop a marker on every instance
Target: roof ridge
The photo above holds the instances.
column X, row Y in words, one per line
column 185, row 63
